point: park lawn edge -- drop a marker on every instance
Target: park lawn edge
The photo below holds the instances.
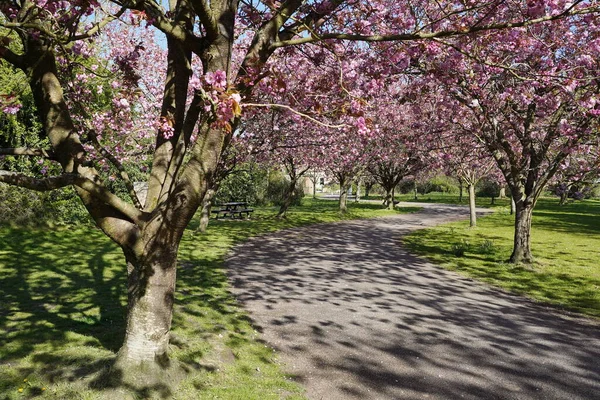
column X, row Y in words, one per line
column 554, row 280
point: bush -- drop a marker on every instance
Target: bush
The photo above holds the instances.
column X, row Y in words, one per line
column 487, row 247
column 459, row 249
column 248, row 184
column 20, row 206
column 277, row 188
column 487, row 188
column 442, row 183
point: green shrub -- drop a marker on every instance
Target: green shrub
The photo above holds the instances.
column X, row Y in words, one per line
column 487, row 247
column 248, row 184
column 459, row 249
column 488, row 188
column 20, row 206
column 277, row 188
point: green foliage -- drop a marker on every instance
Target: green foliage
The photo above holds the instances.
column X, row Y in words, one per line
column 565, row 242
column 278, row 187
column 459, row 249
column 440, row 183
column 488, row 188
column 486, row 247
column 248, row 184
column 20, row 206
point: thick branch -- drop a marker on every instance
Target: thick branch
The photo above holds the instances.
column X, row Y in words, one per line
column 206, row 17
column 57, row 182
column 40, row 185
column 432, row 35
column 25, row 151
column 11, row 57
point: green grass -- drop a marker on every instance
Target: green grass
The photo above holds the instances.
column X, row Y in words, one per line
column 565, row 244
column 62, row 312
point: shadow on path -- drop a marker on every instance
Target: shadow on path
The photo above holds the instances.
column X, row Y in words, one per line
column 354, row 316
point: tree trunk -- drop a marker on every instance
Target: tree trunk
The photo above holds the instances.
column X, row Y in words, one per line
column 512, row 205
column 388, row 199
column 343, row 199
column 472, row 212
column 522, row 239
column 287, row 201
column 368, row 189
column 502, row 193
column 357, row 196
column 416, row 191
column 460, row 191
column 205, row 213
column 563, row 198
column 143, row 359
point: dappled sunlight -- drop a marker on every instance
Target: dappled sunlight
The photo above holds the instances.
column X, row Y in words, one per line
column 355, row 316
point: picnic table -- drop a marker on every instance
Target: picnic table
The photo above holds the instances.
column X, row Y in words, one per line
column 232, row 209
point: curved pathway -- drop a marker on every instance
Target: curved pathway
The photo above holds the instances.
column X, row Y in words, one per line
column 354, row 316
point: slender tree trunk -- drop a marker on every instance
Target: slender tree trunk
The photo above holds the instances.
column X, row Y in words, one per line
column 460, row 191
column 472, row 211
column 287, row 201
column 563, row 198
column 367, row 189
column 393, row 197
column 416, row 191
column 522, row 239
column 357, row 197
column 343, row 199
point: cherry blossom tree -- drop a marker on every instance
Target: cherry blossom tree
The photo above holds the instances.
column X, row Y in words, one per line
column 217, row 59
column 530, row 108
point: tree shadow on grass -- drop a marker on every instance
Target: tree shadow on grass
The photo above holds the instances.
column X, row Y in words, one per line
column 64, row 307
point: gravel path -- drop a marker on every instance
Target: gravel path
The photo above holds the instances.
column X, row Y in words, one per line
column 354, row 316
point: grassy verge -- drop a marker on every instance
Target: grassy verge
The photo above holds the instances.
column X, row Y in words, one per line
column 62, row 313
column 565, row 244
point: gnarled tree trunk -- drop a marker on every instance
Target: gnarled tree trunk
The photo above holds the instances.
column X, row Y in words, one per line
column 522, row 238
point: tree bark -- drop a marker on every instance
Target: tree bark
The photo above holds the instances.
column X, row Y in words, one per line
column 460, row 191
column 522, row 239
column 150, row 289
column 388, row 199
column 563, row 198
column 502, row 192
column 205, row 213
column 512, row 206
column 357, row 197
column 472, row 211
column 287, row 200
column 343, row 199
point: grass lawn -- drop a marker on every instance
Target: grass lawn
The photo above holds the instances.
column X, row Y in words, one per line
column 565, row 244
column 62, row 312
